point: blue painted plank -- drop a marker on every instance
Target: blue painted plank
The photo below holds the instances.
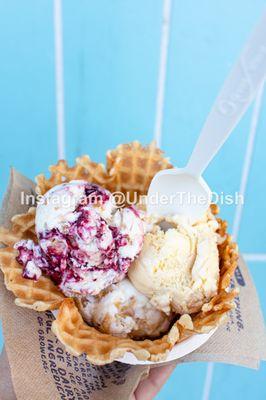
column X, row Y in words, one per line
column 236, row 382
column 180, row 383
column 205, row 40
column 111, row 53
column 27, row 87
column 252, row 230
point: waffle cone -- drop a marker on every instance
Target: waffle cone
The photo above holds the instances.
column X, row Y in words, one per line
column 129, row 169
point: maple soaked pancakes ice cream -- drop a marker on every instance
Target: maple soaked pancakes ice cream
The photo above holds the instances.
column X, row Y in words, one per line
column 178, row 267
column 89, row 247
column 123, row 311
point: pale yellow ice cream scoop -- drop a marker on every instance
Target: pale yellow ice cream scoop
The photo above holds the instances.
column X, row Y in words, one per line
column 178, row 268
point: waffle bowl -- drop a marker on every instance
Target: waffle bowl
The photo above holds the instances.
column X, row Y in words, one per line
column 129, row 169
column 42, row 295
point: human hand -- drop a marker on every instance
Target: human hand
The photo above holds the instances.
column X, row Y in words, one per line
column 149, row 387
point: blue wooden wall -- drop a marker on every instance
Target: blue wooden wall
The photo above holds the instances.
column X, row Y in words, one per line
column 110, row 69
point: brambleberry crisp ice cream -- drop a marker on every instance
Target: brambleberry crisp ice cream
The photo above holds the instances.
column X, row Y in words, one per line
column 84, row 242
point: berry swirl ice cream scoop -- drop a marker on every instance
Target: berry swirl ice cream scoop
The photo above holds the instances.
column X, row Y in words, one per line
column 85, row 243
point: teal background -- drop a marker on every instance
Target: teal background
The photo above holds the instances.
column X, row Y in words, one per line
column 111, row 53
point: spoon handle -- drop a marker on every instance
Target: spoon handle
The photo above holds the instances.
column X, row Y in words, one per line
column 237, row 93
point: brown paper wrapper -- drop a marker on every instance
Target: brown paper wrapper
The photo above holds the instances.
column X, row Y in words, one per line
column 40, row 368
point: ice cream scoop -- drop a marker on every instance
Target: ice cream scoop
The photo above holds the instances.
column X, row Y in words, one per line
column 184, row 191
column 178, row 268
column 85, row 243
column 123, row 311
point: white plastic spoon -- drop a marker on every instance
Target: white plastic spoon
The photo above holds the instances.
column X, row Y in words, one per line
column 184, row 191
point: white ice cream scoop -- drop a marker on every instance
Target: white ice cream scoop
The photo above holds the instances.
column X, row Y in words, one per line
column 184, row 191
